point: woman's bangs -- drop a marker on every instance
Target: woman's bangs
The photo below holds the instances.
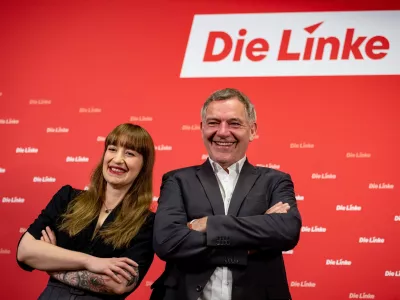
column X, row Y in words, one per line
column 128, row 139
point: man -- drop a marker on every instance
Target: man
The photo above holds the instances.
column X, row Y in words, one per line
column 221, row 227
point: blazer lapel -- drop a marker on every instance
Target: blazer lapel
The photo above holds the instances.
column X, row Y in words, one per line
column 209, row 182
column 247, row 177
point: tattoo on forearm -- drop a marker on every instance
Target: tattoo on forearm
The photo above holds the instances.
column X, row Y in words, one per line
column 83, row 279
column 134, row 279
column 89, row 281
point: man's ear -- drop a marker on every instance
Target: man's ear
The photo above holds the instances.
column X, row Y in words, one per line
column 253, row 131
column 201, row 130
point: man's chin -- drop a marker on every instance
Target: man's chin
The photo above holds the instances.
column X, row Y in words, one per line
column 221, row 159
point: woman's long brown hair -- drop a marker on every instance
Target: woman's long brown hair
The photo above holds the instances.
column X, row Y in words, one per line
column 135, row 206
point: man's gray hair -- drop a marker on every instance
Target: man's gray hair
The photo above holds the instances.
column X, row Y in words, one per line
column 229, row 93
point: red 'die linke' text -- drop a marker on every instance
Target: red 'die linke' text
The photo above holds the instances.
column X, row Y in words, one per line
column 359, row 47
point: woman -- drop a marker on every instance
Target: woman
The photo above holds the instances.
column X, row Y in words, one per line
column 98, row 243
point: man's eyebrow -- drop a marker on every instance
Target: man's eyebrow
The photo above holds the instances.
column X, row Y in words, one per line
column 235, row 119
column 229, row 120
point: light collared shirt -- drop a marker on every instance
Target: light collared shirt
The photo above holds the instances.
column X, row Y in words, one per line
column 219, row 286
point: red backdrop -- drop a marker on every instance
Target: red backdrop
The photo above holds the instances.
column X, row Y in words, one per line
column 73, row 70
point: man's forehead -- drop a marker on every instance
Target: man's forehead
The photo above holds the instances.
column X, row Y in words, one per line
column 225, row 114
column 227, row 118
column 228, row 104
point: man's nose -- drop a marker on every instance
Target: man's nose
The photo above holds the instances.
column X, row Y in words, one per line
column 223, row 129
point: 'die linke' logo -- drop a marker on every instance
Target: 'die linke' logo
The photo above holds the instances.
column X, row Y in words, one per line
column 360, row 47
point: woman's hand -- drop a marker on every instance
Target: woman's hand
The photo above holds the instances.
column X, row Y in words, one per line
column 48, row 236
column 107, row 266
column 112, row 267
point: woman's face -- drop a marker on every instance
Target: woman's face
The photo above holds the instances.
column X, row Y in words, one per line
column 121, row 166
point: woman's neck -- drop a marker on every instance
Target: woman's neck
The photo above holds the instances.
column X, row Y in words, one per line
column 114, row 195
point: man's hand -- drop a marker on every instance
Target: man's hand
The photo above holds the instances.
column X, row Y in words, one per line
column 198, row 224
column 279, row 208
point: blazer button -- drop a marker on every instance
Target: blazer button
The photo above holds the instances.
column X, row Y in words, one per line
column 199, row 288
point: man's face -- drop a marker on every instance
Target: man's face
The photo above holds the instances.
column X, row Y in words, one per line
column 226, row 131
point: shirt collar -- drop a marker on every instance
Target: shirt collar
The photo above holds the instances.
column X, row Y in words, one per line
column 237, row 166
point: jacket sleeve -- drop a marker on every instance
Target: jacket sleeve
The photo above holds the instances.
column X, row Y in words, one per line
column 173, row 240
column 267, row 232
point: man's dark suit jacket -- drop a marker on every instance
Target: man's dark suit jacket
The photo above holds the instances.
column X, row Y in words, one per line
column 191, row 257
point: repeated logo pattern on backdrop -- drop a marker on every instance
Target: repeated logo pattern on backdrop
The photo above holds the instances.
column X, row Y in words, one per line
column 325, row 86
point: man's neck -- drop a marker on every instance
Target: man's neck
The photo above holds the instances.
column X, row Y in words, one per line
column 225, row 167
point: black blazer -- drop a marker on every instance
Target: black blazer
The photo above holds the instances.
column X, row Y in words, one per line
column 192, row 256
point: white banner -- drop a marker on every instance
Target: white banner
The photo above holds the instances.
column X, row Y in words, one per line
column 293, row 44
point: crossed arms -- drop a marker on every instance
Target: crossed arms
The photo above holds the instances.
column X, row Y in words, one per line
column 99, row 275
column 277, row 229
column 119, row 283
column 38, row 249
